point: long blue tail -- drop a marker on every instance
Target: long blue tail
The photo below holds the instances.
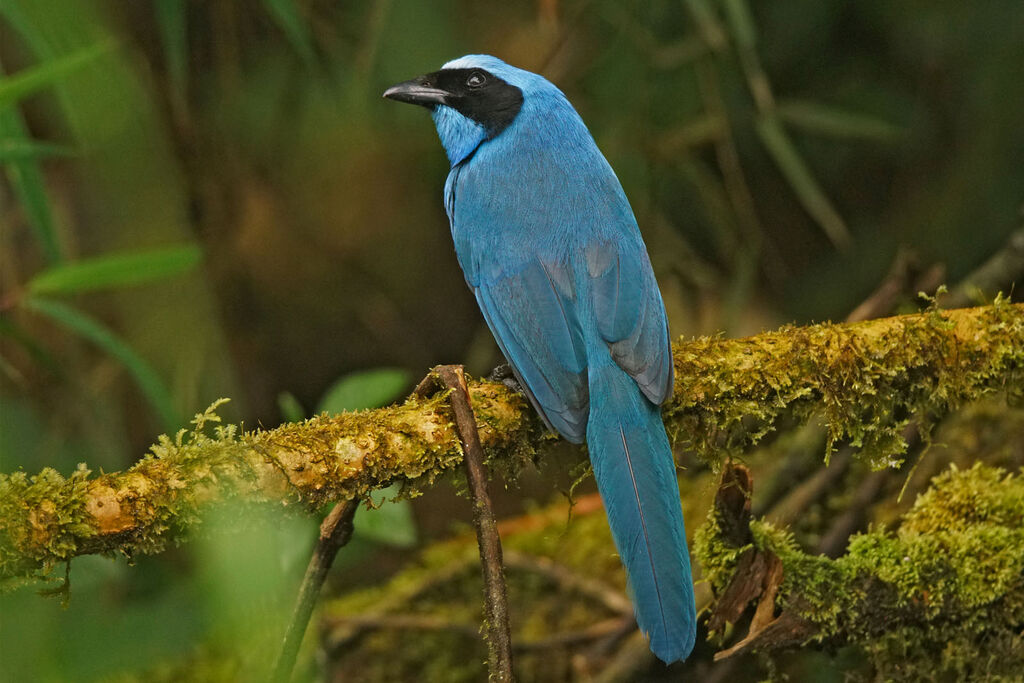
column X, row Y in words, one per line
column 636, row 476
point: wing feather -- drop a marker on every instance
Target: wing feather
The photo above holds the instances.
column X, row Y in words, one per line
column 538, row 331
column 630, row 315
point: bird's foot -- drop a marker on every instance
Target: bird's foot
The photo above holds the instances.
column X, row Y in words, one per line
column 504, row 374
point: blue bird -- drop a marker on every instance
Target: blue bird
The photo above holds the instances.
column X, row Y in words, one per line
column 551, row 249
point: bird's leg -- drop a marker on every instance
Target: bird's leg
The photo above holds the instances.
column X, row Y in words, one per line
column 503, row 373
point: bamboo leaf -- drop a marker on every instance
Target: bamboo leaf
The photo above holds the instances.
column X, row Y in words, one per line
column 827, row 120
column 147, row 379
column 35, row 78
column 290, row 407
column 801, row 180
column 703, row 130
column 115, row 270
column 21, row 149
column 711, row 30
column 26, row 179
column 742, row 23
column 171, row 21
column 29, row 344
column 390, row 523
column 286, row 15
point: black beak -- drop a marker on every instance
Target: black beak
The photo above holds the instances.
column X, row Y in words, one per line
column 417, row 91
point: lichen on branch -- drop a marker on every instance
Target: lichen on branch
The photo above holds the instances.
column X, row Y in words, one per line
column 865, row 379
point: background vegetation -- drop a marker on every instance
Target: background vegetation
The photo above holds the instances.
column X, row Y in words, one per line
column 211, row 199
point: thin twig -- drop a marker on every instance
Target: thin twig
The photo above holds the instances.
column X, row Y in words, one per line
column 424, row 622
column 870, row 490
column 359, row 623
column 499, row 632
column 998, row 273
column 813, row 488
column 569, row 581
column 335, row 532
column 596, row 631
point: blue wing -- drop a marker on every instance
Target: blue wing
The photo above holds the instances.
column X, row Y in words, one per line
column 530, row 301
column 630, row 314
column 537, row 328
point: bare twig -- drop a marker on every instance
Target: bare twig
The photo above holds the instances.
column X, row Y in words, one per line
column 905, row 277
column 568, row 580
column 811, row 489
column 1000, row 272
column 425, row 622
column 499, row 632
column 616, row 626
column 335, row 532
column 359, row 623
column 867, row 494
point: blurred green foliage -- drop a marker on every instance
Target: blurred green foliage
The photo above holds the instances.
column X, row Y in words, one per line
column 777, row 155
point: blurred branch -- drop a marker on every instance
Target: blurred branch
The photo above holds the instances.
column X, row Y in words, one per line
column 865, row 379
column 905, row 278
column 335, row 533
column 999, row 273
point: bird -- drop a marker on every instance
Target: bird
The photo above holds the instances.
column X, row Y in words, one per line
column 551, row 249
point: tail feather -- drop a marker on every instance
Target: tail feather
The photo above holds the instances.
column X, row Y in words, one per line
column 636, row 476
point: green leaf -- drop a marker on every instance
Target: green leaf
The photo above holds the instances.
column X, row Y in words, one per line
column 171, row 21
column 365, row 389
column 115, row 270
column 285, row 14
column 799, row 176
column 742, row 23
column 827, row 120
column 21, row 149
column 711, row 30
column 391, row 523
column 291, row 409
column 148, row 381
column 36, row 78
column 27, row 183
column 29, row 344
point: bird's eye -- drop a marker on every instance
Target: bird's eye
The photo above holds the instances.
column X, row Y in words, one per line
column 476, row 79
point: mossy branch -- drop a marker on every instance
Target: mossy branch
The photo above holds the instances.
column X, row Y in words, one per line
column 866, row 379
column 942, row 596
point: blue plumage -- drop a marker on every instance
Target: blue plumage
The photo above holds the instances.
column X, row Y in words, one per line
column 551, row 249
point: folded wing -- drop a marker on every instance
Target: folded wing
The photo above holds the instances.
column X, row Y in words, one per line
column 630, row 315
column 534, row 320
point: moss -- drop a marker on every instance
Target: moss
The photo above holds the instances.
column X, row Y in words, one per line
column 866, row 379
column 47, row 518
column 942, row 595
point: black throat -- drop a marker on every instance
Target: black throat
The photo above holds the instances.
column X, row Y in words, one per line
column 493, row 103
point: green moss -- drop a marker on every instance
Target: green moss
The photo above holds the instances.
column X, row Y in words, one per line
column 866, row 380
column 47, row 518
column 943, row 595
